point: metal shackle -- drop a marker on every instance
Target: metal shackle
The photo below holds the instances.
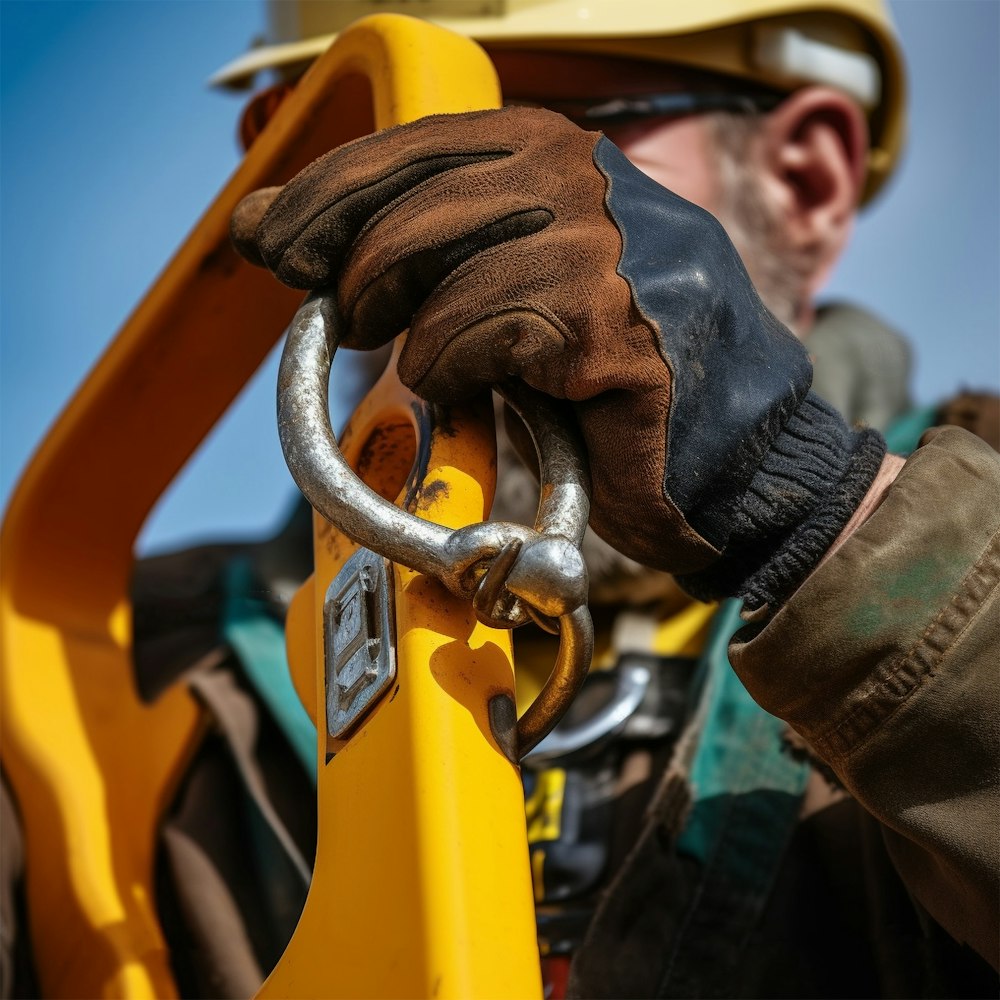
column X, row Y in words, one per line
column 510, row 572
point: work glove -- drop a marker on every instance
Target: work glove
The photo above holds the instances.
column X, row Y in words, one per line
column 514, row 245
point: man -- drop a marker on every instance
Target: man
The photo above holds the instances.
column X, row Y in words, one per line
column 516, row 246
column 740, row 899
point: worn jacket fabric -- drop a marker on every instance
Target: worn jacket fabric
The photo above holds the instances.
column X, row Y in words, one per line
column 885, row 662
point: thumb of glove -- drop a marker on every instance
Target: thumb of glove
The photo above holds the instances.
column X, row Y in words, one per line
column 245, row 221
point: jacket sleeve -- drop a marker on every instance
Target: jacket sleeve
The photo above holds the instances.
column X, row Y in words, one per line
column 886, row 662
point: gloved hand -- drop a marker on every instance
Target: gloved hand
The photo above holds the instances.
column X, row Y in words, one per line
column 515, row 245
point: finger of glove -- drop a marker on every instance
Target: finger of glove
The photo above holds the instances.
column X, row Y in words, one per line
column 419, row 240
column 306, row 232
column 245, row 221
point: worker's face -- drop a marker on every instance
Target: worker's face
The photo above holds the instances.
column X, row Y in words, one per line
column 676, row 152
column 784, row 185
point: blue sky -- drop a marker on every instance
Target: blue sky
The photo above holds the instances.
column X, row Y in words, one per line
column 112, row 146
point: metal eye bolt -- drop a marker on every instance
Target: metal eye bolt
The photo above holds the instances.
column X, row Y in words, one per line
column 510, row 572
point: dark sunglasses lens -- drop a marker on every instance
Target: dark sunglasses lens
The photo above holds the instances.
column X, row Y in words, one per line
column 618, row 110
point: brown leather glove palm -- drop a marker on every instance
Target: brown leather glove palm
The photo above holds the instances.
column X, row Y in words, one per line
column 513, row 244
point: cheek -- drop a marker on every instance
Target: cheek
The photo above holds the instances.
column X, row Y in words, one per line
column 676, row 154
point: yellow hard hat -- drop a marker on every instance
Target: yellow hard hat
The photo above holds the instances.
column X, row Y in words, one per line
column 784, row 44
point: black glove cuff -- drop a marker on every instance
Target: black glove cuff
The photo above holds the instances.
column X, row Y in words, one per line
column 807, row 488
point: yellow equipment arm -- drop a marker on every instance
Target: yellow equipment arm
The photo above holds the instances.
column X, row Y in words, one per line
column 421, row 885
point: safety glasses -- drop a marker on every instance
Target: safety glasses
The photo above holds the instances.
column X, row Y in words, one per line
column 591, row 114
column 588, row 114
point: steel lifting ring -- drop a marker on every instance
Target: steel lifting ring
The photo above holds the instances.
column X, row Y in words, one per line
column 510, row 572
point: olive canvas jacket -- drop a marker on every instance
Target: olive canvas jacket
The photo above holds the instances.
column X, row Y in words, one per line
column 885, row 663
column 894, row 680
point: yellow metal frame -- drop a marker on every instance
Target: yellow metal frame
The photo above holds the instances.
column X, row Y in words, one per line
column 421, row 885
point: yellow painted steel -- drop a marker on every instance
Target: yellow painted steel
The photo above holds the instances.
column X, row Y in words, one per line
column 422, row 885
column 92, row 765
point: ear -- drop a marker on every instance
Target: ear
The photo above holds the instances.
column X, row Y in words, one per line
column 814, row 149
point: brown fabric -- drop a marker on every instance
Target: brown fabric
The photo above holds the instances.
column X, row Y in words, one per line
column 237, row 717
column 11, row 869
column 237, row 843
column 840, row 922
column 218, row 946
column 977, row 412
column 237, row 848
column 886, row 662
column 177, row 603
column 486, row 234
column 626, row 949
column 17, row 974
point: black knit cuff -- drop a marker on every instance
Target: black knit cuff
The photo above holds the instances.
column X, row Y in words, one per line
column 807, row 488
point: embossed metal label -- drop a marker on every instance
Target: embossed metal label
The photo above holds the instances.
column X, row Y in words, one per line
column 360, row 653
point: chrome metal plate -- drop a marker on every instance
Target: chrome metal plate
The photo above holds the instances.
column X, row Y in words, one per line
column 359, row 640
